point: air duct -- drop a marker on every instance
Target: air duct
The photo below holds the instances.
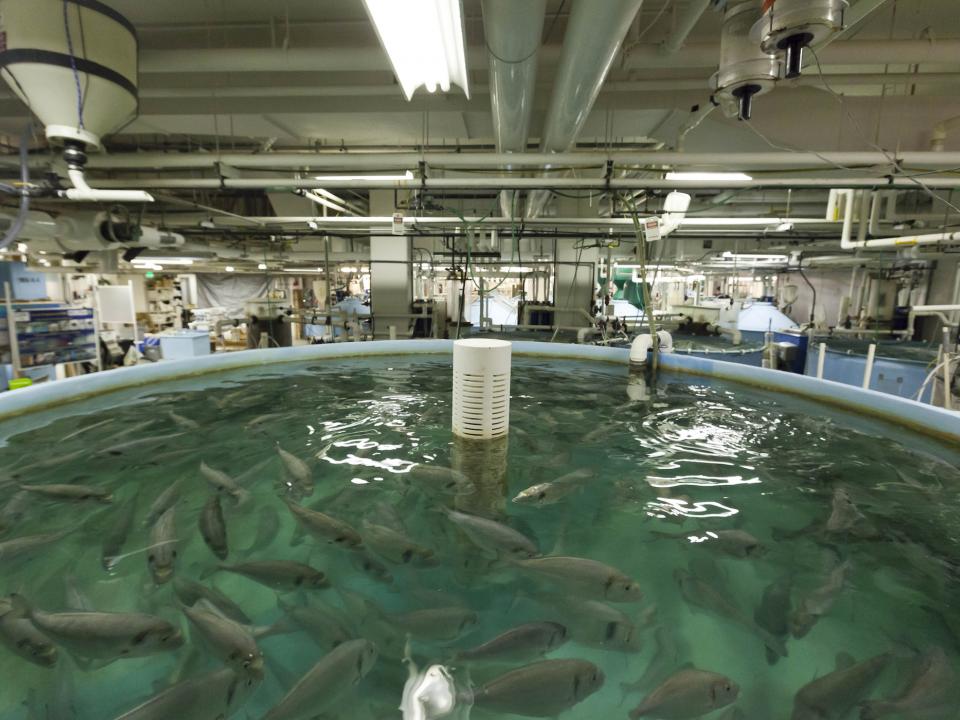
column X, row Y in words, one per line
column 745, row 70
column 594, row 34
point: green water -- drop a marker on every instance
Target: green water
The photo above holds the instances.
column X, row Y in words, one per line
column 696, row 457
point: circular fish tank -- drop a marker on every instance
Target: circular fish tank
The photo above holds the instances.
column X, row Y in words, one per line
column 294, row 533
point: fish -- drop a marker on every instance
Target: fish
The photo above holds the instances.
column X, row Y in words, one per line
column 221, row 482
column 549, row 493
column 541, row 689
column 434, row 480
column 103, row 635
column 590, row 579
column 735, row 543
column 70, row 492
column 280, row 574
column 324, row 527
column 23, row 638
column 218, row 694
column 706, row 596
column 834, row 695
column 163, row 502
column 446, row 623
column 773, row 612
column 268, row 525
column 518, row 644
column 396, row 546
column 658, row 669
column 116, row 535
column 326, row 682
column 184, row 422
column 688, row 693
column 136, row 447
column 843, row 512
column 298, row 472
column 85, row 429
column 818, row 603
column 14, row 510
column 492, row 536
column 189, row 592
column 326, row 625
column 265, row 419
column 371, row 567
column 231, row 642
column 593, row 623
column 25, row 545
column 162, row 557
column 933, row 694
column 213, row 528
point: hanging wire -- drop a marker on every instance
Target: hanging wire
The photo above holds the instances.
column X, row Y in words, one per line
column 73, row 62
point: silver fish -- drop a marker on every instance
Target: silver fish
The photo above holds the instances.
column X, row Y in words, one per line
column 103, row 635
column 325, row 624
column 325, row 528
column 433, row 479
column 189, row 592
column 327, row 681
column 735, row 543
column 85, row 429
column 136, row 447
column 396, row 546
column 522, row 643
column 703, row 595
column 70, row 492
column 23, row 638
column 446, row 623
column 548, row 493
column 162, row 557
column 588, row 578
column 833, row 696
column 688, row 694
column 843, row 512
column 184, row 422
column 164, row 501
column 25, row 545
column 932, row 694
column 597, row 624
column 116, row 536
column 216, row 695
column 371, row 567
column 542, row 689
column 265, row 419
column 213, row 528
column 664, row 660
column 492, row 536
column 773, row 613
column 280, row 574
column 228, row 640
column 221, row 482
column 818, row 603
column 301, row 479
column 14, row 510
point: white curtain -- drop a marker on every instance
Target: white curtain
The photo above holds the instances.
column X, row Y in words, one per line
column 230, row 291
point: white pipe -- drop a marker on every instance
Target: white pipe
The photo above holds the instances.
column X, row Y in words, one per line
column 380, row 161
column 685, row 23
column 947, row 385
column 821, row 359
column 84, row 193
column 868, row 370
column 639, row 348
column 846, row 243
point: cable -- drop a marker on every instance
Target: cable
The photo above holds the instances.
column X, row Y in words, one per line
column 17, row 225
column 653, row 22
column 73, row 63
column 813, row 302
column 546, row 37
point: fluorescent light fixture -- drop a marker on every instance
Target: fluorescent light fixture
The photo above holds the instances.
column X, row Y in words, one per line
column 408, row 175
column 708, row 176
column 229, row 268
column 316, row 198
column 515, row 269
column 424, row 40
column 42, row 252
column 262, row 266
column 303, row 271
column 165, row 260
column 348, row 269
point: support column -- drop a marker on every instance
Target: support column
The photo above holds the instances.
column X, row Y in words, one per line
column 390, row 286
column 574, row 283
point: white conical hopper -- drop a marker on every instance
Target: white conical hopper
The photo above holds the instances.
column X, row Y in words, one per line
column 481, row 389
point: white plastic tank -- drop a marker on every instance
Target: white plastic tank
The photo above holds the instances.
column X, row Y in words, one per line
column 763, row 316
column 73, row 62
column 481, row 388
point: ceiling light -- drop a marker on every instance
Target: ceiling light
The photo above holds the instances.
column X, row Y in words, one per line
column 708, row 176
column 784, row 227
column 262, row 266
column 408, row 175
column 424, row 40
column 348, row 269
column 42, row 252
column 146, row 260
column 229, row 268
column 303, row 271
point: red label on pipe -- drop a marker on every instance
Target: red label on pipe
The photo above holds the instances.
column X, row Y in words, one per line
column 767, row 4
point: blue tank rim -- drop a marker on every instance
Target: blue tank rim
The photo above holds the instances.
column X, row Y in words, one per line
column 926, row 419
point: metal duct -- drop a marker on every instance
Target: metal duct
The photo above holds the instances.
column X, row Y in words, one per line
column 513, row 31
column 594, row 34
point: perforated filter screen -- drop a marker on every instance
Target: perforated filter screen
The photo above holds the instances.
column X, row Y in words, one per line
column 481, row 389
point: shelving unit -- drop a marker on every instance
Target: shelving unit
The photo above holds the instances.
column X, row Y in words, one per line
column 43, row 334
column 164, row 304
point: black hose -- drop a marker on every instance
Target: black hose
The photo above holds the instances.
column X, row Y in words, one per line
column 813, row 303
column 18, row 222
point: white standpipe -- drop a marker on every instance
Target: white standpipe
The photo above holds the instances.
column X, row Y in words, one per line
column 821, row 359
column 868, row 370
column 847, row 243
column 481, row 388
column 83, row 192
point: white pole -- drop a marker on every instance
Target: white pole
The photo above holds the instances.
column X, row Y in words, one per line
column 133, row 313
column 947, row 391
column 393, row 332
column 868, row 370
column 820, row 360
column 12, row 332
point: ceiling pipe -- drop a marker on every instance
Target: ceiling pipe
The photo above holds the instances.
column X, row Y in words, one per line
column 685, row 23
column 594, row 34
column 513, row 31
column 847, row 243
column 380, row 161
column 537, row 183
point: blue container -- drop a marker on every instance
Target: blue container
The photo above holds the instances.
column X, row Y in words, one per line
column 894, row 374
